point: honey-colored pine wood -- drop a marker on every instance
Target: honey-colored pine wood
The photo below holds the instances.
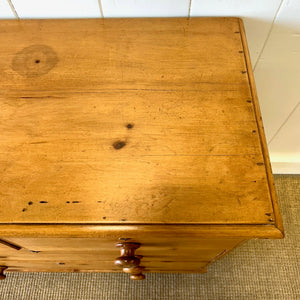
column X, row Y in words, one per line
column 123, row 121
column 104, row 266
column 140, row 129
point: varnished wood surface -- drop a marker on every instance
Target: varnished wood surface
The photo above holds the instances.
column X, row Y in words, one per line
column 117, row 54
column 156, row 253
column 71, row 266
column 154, row 243
column 130, row 121
column 138, row 231
column 264, row 147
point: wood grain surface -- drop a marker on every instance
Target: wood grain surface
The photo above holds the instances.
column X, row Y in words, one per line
column 139, row 121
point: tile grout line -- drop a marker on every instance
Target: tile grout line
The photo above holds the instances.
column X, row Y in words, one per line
column 189, row 11
column 101, row 8
column 268, row 35
column 284, row 122
column 13, row 9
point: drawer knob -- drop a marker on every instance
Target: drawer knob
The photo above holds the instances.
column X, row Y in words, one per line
column 129, row 261
column 135, row 273
column 2, row 276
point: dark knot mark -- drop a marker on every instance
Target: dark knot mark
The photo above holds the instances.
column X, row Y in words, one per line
column 119, row 145
column 129, row 125
column 35, row 60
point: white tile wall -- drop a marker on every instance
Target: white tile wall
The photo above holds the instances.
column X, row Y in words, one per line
column 257, row 16
column 286, row 143
column 57, row 8
column 278, row 81
column 285, row 147
column 5, row 10
column 145, row 8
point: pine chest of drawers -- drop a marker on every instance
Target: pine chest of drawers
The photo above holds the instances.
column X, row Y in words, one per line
column 132, row 144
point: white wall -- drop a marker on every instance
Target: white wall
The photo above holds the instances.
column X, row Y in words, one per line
column 273, row 33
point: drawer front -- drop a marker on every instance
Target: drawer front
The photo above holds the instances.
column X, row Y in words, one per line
column 180, row 254
column 101, row 266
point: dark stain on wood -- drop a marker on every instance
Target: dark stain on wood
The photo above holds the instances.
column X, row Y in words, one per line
column 119, row 145
column 129, row 125
column 34, row 61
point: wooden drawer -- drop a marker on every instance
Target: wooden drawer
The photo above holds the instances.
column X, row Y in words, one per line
column 154, row 243
column 158, row 254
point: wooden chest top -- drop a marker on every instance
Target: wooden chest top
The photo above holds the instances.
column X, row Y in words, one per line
column 131, row 121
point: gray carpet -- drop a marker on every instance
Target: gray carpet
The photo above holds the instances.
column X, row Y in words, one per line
column 260, row 269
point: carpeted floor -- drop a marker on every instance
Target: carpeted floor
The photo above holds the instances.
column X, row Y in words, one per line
column 260, row 269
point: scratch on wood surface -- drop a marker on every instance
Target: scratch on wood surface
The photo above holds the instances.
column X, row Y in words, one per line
column 41, row 142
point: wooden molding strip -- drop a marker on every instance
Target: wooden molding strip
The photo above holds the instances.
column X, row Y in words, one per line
column 278, row 219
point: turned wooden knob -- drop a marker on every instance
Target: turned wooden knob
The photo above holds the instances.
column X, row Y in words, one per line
column 129, row 261
column 127, row 258
column 2, row 276
column 135, row 273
